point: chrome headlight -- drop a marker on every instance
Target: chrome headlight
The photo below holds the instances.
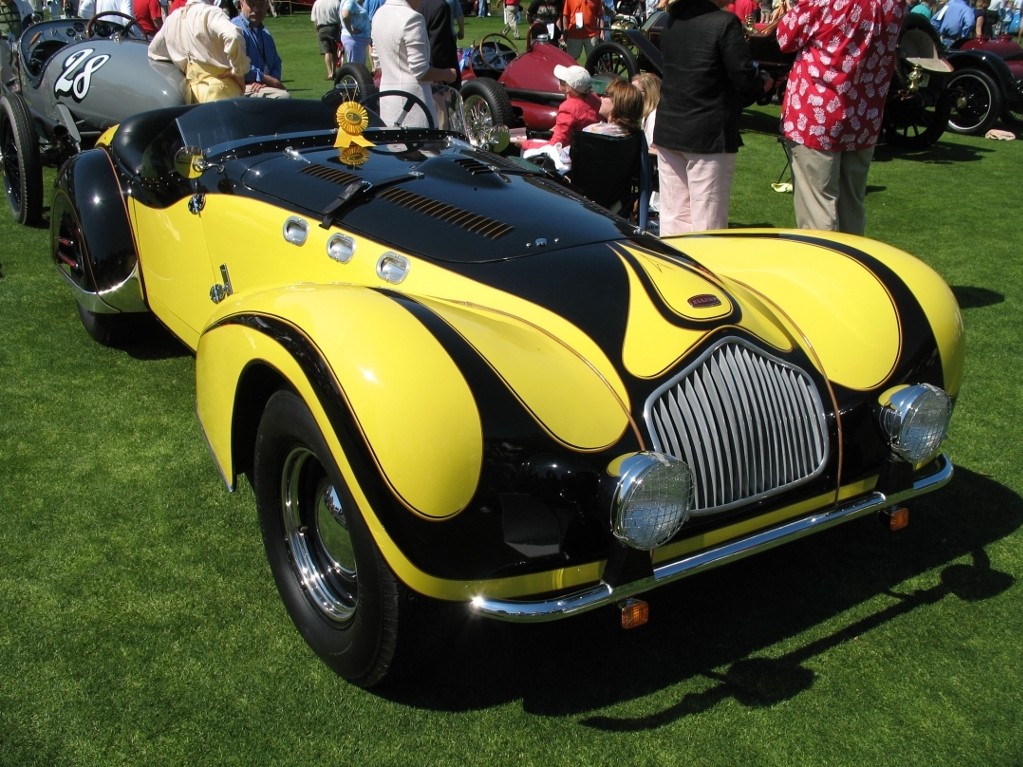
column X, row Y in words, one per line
column 652, row 500
column 915, row 419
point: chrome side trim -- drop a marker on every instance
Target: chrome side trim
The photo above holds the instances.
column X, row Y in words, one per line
column 520, row 611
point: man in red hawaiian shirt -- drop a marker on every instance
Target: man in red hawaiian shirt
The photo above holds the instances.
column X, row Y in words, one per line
column 834, row 102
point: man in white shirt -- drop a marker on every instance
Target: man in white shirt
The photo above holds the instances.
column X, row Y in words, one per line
column 201, row 40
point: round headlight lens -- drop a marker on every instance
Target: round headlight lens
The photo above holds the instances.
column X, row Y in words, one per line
column 916, row 420
column 652, row 500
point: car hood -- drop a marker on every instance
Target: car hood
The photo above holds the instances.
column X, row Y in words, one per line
column 455, row 204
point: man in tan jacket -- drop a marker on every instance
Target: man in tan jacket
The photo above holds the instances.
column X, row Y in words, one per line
column 201, row 40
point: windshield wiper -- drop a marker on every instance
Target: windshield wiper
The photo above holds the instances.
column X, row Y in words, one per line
column 358, row 191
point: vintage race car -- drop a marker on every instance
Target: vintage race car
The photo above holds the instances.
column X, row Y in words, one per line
column 987, row 84
column 500, row 85
column 65, row 81
column 458, row 386
column 916, row 110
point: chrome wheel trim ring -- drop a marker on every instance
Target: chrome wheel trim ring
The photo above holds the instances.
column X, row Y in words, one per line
column 316, row 533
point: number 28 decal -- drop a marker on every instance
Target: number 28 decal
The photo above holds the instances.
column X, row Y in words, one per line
column 76, row 73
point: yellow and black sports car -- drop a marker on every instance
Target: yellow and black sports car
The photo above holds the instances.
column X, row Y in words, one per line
column 456, row 384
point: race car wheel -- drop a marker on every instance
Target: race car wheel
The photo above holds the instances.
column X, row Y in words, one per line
column 22, row 166
column 355, row 80
column 341, row 595
column 913, row 124
column 976, row 101
column 612, row 58
column 486, row 105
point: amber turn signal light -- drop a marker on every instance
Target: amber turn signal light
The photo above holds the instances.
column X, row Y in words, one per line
column 898, row 517
column 635, row 612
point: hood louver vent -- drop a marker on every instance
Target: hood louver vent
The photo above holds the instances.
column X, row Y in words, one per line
column 474, row 167
column 335, row 175
column 463, row 219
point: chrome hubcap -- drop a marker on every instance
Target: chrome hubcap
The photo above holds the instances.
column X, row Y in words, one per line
column 316, row 531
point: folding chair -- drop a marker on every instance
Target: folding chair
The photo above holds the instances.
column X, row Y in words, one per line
column 613, row 171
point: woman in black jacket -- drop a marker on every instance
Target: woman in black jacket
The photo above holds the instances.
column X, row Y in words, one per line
column 708, row 77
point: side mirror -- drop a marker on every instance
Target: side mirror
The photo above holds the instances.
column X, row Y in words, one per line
column 189, row 162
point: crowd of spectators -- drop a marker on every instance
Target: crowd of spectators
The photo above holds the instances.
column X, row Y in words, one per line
column 831, row 110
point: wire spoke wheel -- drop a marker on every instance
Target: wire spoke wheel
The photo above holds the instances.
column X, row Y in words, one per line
column 20, row 161
column 975, row 102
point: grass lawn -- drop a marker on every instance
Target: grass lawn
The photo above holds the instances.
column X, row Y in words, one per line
column 141, row 625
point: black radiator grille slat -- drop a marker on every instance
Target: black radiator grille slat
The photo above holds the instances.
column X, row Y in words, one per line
column 766, row 417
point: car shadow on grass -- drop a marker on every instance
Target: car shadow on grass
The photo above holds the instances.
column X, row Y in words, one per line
column 939, row 153
column 717, row 632
column 970, row 297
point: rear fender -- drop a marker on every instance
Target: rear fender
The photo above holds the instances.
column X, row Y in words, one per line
column 990, row 63
column 90, row 237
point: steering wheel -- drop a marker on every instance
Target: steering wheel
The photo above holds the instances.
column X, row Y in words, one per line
column 105, row 29
column 492, row 49
column 411, row 100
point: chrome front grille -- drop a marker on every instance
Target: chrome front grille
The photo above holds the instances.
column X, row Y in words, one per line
column 748, row 424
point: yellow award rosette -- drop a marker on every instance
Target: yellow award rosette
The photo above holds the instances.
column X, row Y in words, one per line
column 354, row 155
column 352, row 120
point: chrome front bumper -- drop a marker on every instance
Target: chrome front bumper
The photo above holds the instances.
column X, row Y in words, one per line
column 604, row 594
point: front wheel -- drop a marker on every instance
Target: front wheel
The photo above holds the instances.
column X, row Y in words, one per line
column 341, row 595
column 976, row 102
column 22, row 165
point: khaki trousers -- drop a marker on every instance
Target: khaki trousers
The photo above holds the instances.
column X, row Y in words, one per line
column 206, row 83
column 829, row 188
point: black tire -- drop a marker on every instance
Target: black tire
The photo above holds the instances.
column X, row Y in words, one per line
column 341, row 595
column 486, row 106
column 1012, row 116
column 354, row 77
column 976, row 101
column 107, row 329
column 612, row 58
column 912, row 124
column 22, row 166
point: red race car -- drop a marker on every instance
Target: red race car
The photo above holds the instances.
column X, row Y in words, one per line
column 501, row 86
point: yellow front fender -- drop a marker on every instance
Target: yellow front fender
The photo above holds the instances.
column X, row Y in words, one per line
column 407, row 398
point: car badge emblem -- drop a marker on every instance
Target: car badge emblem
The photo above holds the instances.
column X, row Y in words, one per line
column 704, row 301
